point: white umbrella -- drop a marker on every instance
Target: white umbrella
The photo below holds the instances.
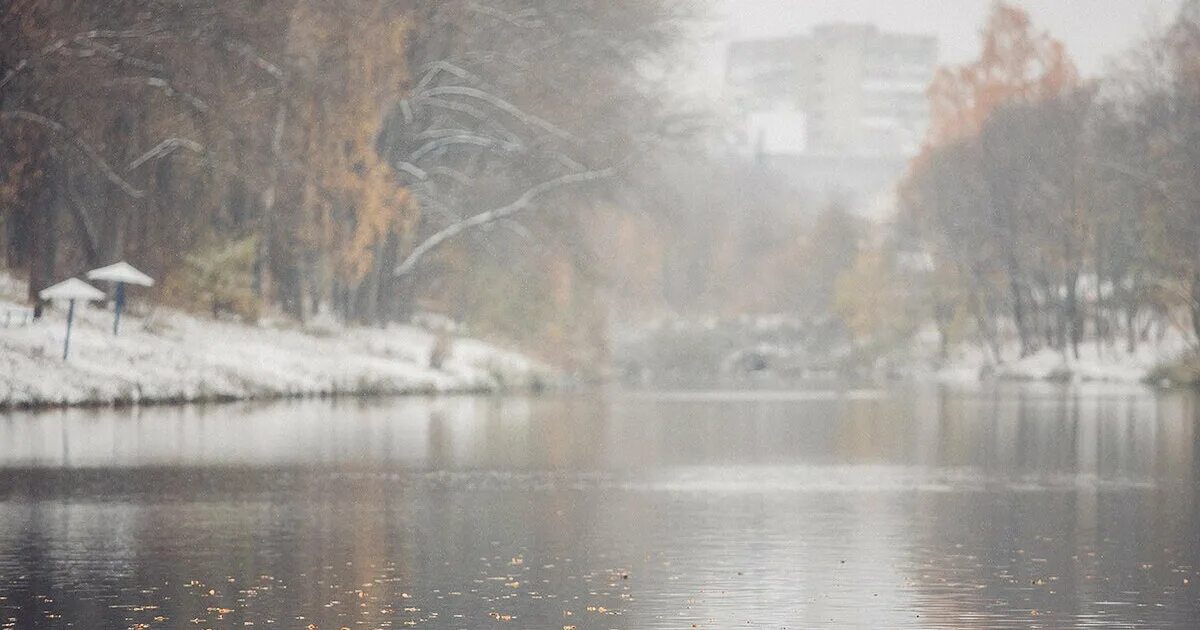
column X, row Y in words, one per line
column 71, row 290
column 121, row 273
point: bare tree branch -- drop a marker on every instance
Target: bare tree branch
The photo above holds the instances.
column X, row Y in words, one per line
column 498, row 103
column 522, row 19
column 441, row 132
column 165, row 148
column 433, row 68
column 166, row 88
column 125, row 34
column 477, row 57
column 445, row 171
column 412, row 169
column 115, row 54
column 12, row 72
column 406, row 110
column 73, row 138
column 479, row 141
column 83, row 39
column 469, row 110
column 262, row 63
column 1143, row 178
column 455, row 106
column 46, row 50
column 524, row 202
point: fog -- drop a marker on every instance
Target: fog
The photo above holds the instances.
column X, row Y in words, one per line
column 599, row 314
column 677, row 189
column 1093, row 30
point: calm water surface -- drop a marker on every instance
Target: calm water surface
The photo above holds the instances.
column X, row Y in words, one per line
column 1018, row 507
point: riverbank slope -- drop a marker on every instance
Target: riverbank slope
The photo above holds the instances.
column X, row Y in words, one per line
column 169, row 356
column 1094, row 364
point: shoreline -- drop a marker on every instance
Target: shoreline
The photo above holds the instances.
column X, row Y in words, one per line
column 128, row 403
column 1145, row 366
column 168, row 357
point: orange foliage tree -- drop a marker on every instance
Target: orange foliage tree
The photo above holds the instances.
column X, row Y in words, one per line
column 1016, row 63
column 999, row 165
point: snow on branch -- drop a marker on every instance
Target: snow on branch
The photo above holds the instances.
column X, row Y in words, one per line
column 13, row 71
column 112, row 34
column 522, row 19
column 480, row 141
column 46, row 50
column 412, row 169
column 86, row 40
column 262, row 63
column 112, row 52
column 165, row 148
column 433, row 68
column 60, row 130
column 469, row 110
column 166, row 88
column 454, row 106
column 524, row 202
column 500, row 104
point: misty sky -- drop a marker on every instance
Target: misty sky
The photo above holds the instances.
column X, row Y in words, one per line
column 1093, row 30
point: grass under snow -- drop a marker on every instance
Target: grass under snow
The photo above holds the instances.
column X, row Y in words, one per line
column 171, row 356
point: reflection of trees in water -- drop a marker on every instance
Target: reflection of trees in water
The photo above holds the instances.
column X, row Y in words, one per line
column 1083, row 503
column 414, row 495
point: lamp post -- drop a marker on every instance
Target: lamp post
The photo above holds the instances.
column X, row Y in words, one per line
column 71, row 290
column 121, row 273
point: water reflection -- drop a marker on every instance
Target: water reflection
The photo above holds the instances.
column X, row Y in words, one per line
column 1013, row 507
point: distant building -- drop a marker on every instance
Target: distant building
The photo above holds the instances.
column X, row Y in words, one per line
column 780, row 131
column 860, row 91
column 838, row 111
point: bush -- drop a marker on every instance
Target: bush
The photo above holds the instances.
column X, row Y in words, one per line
column 1184, row 371
column 443, row 346
column 219, row 278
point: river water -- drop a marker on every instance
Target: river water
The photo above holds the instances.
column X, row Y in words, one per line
column 914, row 507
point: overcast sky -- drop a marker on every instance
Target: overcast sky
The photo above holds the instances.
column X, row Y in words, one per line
column 1093, row 30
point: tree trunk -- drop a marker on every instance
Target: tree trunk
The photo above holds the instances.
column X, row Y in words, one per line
column 1018, row 311
column 262, row 266
column 1131, row 340
column 1073, row 321
column 83, row 220
column 43, row 252
column 985, row 326
column 386, row 309
column 943, row 319
column 1195, row 305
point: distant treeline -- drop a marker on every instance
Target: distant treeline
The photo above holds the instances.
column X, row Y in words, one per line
column 1045, row 209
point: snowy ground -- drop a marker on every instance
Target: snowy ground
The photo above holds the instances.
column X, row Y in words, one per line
column 760, row 346
column 1095, row 363
column 169, row 356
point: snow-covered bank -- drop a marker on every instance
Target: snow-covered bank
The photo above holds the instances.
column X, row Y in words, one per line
column 1095, row 364
column 169, row 356
column 787, row 347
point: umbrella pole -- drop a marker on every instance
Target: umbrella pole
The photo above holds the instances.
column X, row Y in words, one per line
column 120, row 305
column 70, row 319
